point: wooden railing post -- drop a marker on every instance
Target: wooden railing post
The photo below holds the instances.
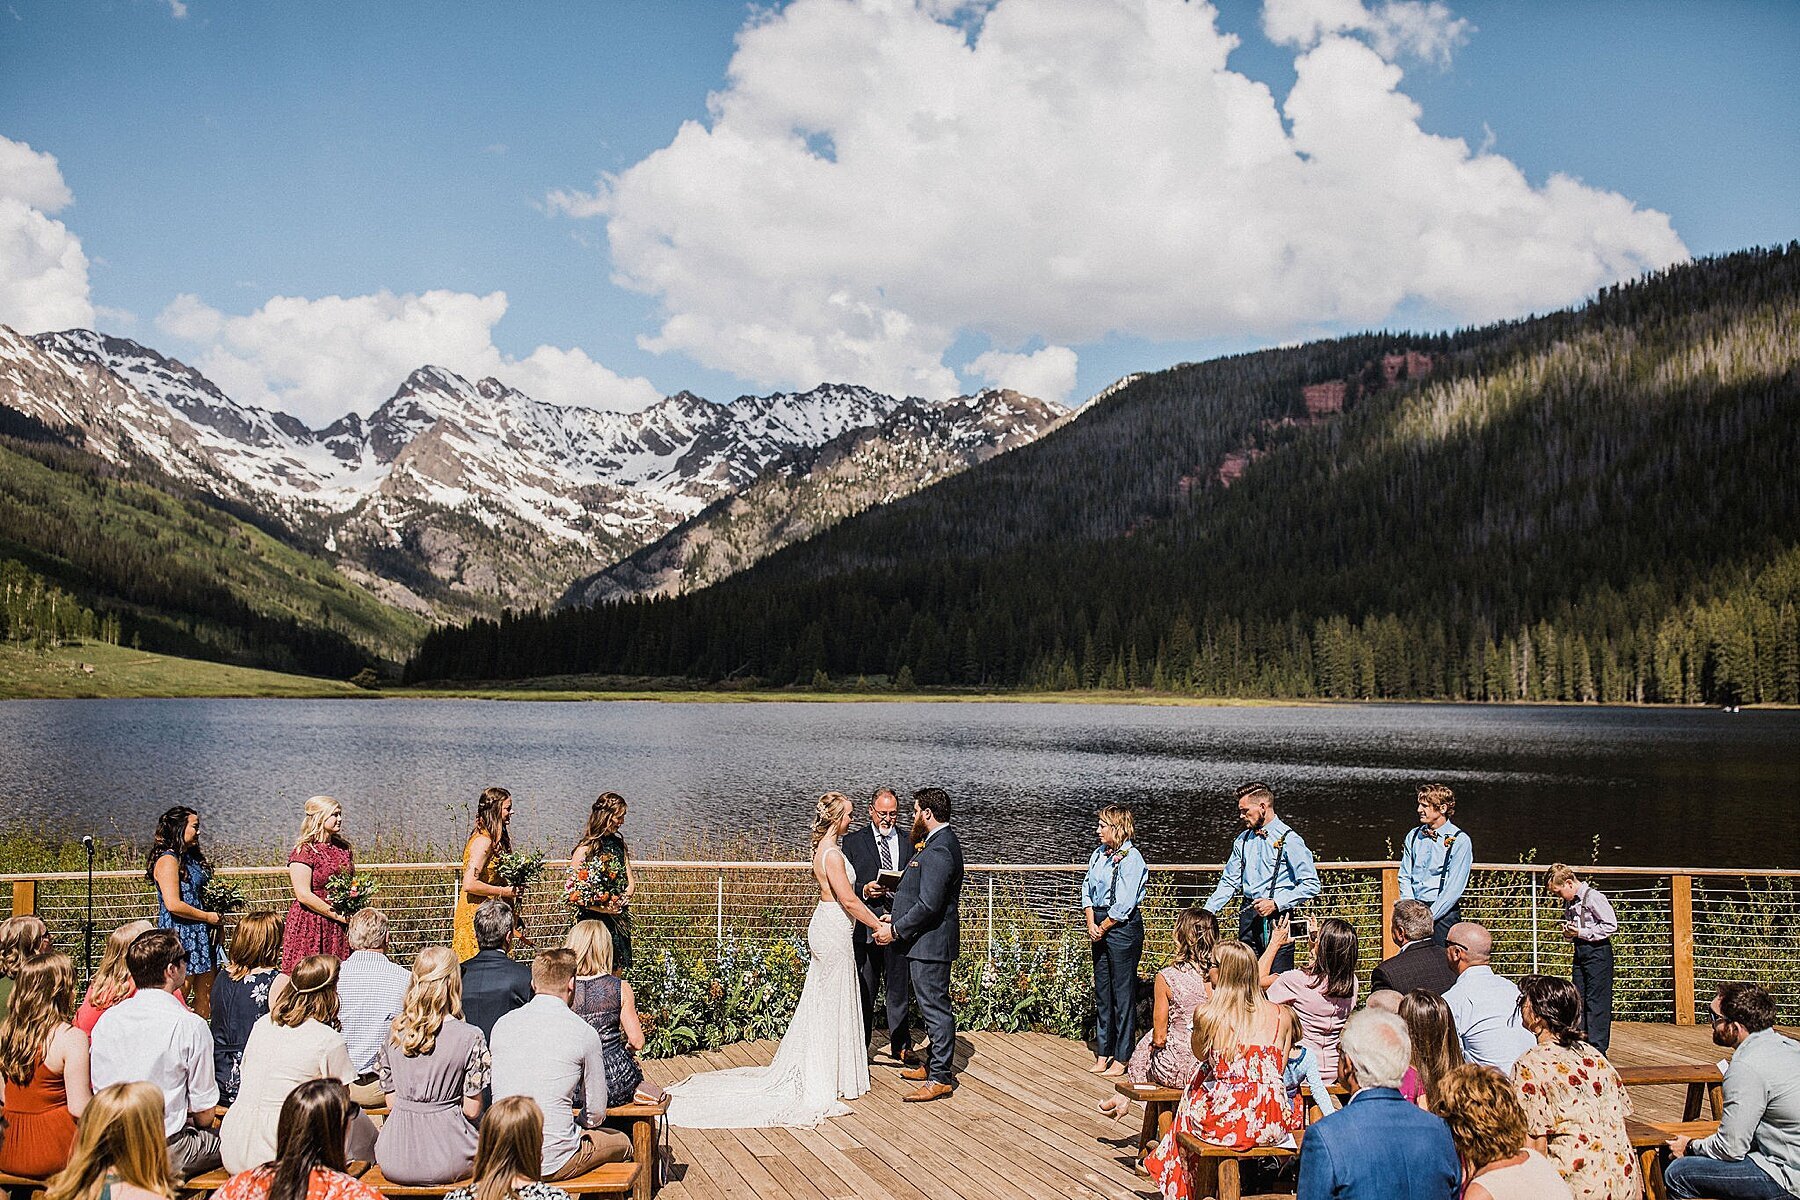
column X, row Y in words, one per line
column 1681, row 902
column 24, row 897
column 1390, row 893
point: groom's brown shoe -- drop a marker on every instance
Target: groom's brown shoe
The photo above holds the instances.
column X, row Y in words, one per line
column 918, row 1073
column 931, row 1091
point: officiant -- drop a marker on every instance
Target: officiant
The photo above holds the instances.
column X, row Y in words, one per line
column 877, row 847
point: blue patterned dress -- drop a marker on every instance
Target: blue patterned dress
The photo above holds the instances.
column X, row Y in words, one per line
column 196, row 936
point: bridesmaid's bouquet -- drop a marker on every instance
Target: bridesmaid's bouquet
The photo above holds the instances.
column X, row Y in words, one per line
column 221, row 896
column 517, row 869
column 597, row 884
column 349, row 893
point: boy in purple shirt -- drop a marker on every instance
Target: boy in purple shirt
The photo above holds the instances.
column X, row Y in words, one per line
column 1589, row 922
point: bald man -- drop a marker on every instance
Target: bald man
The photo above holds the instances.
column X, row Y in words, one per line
column 1486, row 1007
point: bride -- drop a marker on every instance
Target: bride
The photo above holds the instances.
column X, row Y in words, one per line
column 824, row 1054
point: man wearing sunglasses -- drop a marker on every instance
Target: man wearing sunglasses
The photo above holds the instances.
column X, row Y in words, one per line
column 1756, row 1153
column 1485, row 1005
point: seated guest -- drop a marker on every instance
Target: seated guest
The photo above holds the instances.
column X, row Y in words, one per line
column 241, row 995
column 1436, row 1050
column 1385, row 1000
column 298, row 1041
column 1323, row 992
column 546, row 1052
column 1303, row 1069
column 1165, row 1055
column 1756, row 1152
column 606, row 1002
column 309, row 1161
column 1575, row 1106
column 1484, row 1006
column 1238, row 1098
column 1420, row 962
column 1377, row 1147
column 1482, row 1110
column 509, row 1162
column 153, row 1037
column 433, row 1067
column 44, row 1062
column 371, row 989
column 21, row 937
column 492, row 983
column 120, row 1151
column 111, row 982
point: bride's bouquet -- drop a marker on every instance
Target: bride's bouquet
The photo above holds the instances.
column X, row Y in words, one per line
column 349, row 894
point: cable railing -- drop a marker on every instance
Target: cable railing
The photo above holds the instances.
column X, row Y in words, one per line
column 1681, row 931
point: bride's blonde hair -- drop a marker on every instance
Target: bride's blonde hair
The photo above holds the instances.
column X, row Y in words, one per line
column 830, row 810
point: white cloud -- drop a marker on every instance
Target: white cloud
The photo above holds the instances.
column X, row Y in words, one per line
column 43, row 271
column 873, row 183
column 177, row 9
column 1048, row 374
column 321, row 358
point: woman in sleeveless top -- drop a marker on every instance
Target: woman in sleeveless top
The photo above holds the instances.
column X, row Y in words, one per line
column 606, row 1002
column 1489, row 1129
column 433, row 1068
column 600, row 866
column 479, row 880
column 313, row 926
column 111, row 982
column 242, row 995
column 178, row 870
column 120, row 1152
column 44, row 1060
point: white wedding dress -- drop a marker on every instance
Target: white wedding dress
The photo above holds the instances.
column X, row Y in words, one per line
column 823, row 1058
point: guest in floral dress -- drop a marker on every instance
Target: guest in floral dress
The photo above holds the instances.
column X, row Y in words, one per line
column 242, row 996
column 433, row 1067
column 509, row 1162
column 1575, row 1106
column 178, row 870
column 479, row 881
column 1164, row 1056
column 313, row 926
column 309, row 1152
column 602, row 853
column 1237, row 1098
column 606, row 1002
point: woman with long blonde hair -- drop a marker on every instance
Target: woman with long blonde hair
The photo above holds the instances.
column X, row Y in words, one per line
column 1238, row 1098
column 20, row 938
column 121, row 1152
column 490, row 837
column 319, row 854
column 434, row 1066
column 509, row 1161
column 112, row 979
column 44, row 1063
column 606, row 1002
column 251, row 981
column 602, row 852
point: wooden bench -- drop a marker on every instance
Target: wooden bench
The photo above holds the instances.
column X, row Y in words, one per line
column 1224, row 1165
column 613, row 1179
column 1704, row 1083
column 1647, row 1141
column 646, row 1147
column 1159, row 1110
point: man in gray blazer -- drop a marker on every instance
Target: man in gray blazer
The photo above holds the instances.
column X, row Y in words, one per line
column 927, row 921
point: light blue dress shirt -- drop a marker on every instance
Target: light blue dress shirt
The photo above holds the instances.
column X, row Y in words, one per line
column 1431, row 874
column 1099, row 891
column 1252, row 864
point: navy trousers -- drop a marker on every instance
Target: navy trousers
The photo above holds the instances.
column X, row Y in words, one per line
column 931, row 988
column 1253, row 930
column 1116, row 958
column 1440, row 932
column 1593, row 978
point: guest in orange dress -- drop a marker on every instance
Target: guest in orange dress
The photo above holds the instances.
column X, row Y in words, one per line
column 309, row 1152
column 120, row 1149
column 44, row 1060
column 112, row 980
column 479, row 883
column 1237, row 1098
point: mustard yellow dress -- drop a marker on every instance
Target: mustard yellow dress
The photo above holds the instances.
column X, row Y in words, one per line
column 462, row 937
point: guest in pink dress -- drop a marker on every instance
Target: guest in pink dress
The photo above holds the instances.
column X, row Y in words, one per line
column 1164, row 1056
column 1437, row 1050
column 313, row 926
column 1323, row 992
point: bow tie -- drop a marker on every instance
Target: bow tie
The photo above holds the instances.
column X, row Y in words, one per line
column 1430, row 835
column 1261, row 833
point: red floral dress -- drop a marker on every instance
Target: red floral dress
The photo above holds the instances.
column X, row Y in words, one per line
column 1236, row 1100
column 322, row 1185
column 307, row 933
column 1573, row 1097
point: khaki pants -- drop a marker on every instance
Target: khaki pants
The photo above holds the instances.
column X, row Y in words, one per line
column 598, row 1147
column 366, row 1092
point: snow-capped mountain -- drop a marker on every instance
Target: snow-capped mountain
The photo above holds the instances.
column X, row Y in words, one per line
column 456, row 494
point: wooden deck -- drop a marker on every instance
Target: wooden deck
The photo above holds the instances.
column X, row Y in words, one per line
column 1022, row 1124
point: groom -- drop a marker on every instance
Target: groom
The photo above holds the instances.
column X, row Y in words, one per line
column 926, row 921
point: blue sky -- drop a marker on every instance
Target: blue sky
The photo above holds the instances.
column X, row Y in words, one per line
column 249, row 150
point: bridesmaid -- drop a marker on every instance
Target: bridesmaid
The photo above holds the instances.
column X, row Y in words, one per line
column 44, row 1060
column 313, row 926
column 601, row 844
column 479, row 883
column 178, row 870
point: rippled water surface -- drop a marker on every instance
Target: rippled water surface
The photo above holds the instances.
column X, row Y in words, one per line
column 1697, row 788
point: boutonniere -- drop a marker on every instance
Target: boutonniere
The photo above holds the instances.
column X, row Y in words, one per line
column 1117, row 856
column 1449, row 840
column 1280, row 841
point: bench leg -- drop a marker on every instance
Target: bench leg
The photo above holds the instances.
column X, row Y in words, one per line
column 1690, row 1111
column 1231, row 1180
column 1715, row 1096
column 643, row 1149
column 1148, row 1136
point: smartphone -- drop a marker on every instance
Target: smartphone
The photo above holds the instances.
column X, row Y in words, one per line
column 1299, row 928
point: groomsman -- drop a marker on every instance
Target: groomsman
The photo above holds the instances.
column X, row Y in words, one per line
column 1270, row 866
column 881, row 846
column 1435, row 860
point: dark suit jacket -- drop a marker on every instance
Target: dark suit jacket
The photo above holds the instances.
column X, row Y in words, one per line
column 1380, row 1147
column 927, row 905
column 493, row 985
column 1420, row 965
column 865, row 863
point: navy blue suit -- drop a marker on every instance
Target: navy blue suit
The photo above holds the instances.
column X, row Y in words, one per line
column 1378, row 1147
column 875, row 964
column 928, row 922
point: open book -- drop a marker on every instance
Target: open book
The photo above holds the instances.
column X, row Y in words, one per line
column 888, row 879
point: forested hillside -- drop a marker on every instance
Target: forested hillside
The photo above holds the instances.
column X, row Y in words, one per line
column 1599, row 504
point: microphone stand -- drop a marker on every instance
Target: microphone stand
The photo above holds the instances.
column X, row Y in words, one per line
column 87, row 928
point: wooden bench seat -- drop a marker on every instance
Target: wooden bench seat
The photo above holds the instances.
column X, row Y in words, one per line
column 1160, row 1104
column 1226, row 1163
column 1647, row 1140
column 640, row 1120
column 1704, row 1084
column 613, row 1179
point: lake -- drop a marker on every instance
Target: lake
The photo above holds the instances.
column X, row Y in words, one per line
column 1658, row 787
